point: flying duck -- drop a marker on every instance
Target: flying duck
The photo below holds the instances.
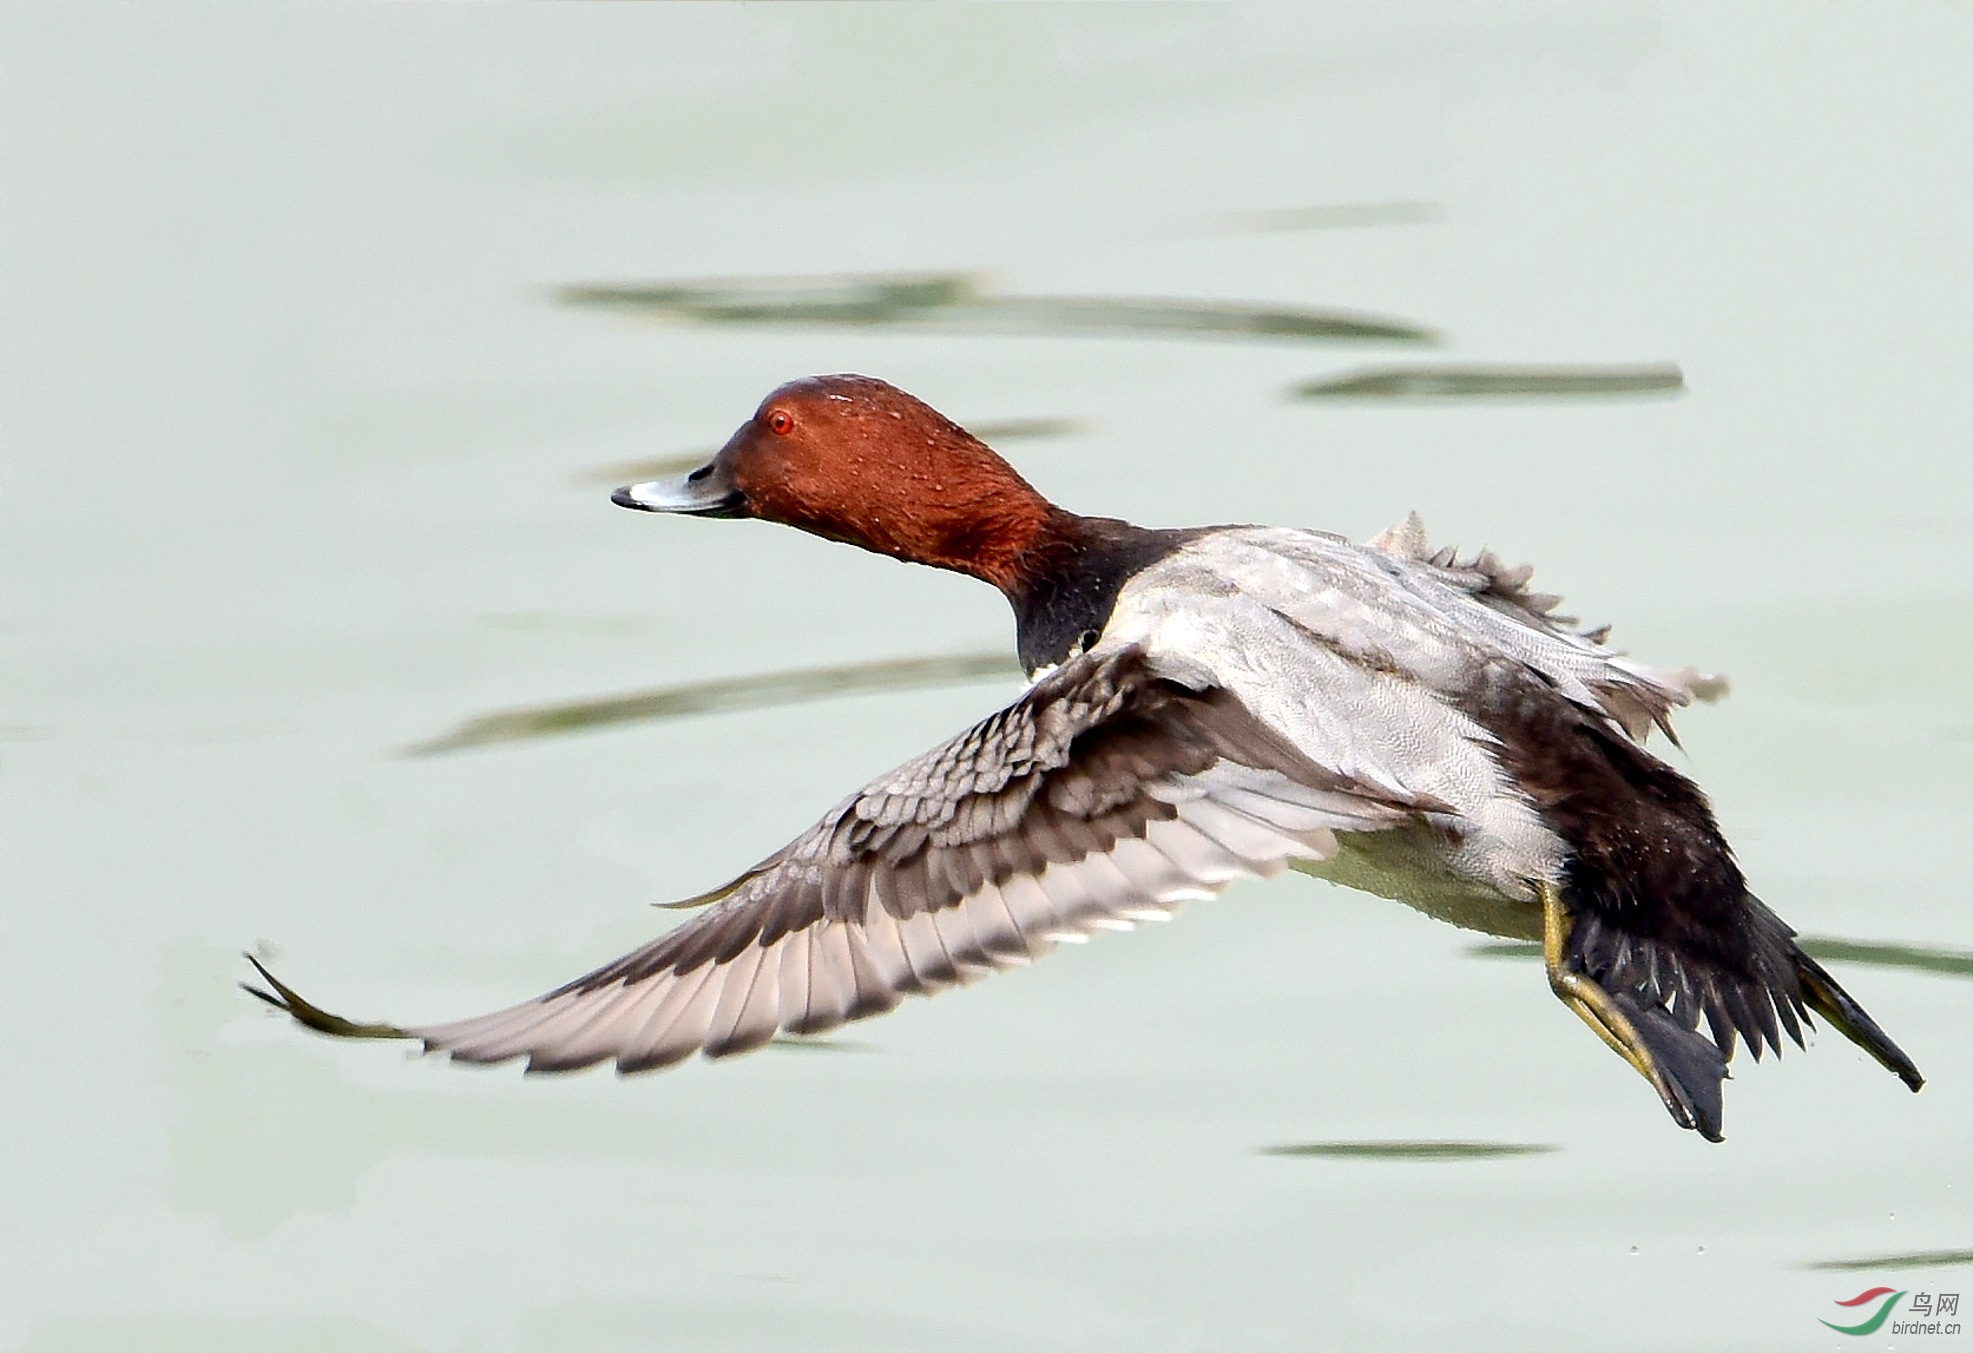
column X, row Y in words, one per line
column 1205, row 704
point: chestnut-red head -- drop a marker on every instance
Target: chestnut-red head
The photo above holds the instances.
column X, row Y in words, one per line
column 855, row 459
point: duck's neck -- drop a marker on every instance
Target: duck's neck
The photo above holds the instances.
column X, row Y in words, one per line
column 1001, row 537
column 1064, row 580
column 963, row 508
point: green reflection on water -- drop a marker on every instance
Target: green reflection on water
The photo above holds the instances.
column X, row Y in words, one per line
column 1424, row 1150
column 1915, row 1259
column 706, row 697
column 1505, row 949
column 992, row 433
column 959, row 302
column 1910, row 957
column 1477, row 382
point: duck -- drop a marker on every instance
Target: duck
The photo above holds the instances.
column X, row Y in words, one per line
column 1204, row 704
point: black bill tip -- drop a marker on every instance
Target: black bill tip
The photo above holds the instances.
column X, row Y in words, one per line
column 704, row 493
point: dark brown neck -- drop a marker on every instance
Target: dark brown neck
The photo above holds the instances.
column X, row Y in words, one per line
column 1064, row 585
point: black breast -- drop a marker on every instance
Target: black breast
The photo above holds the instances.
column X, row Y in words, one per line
column 1071, row 587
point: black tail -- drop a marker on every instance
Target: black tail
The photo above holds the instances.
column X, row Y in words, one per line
column 1822, row 994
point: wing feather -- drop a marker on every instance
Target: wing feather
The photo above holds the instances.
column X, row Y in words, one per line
column 737, row 985
column 1110, row 793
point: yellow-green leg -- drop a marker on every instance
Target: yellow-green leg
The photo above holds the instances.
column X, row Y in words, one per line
column 1593, row 1004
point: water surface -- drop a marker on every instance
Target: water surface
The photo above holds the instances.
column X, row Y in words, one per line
column 298, row 470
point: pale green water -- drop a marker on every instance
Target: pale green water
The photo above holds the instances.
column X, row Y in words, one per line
column 299, row 464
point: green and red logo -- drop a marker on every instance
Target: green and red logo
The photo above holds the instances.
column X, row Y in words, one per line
column 1886, row 1299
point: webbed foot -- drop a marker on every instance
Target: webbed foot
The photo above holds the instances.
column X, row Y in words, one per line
column 1685, row 1068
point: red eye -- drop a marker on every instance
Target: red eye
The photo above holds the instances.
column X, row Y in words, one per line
column 780, row 422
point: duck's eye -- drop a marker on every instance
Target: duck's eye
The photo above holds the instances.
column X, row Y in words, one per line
column 1089, row 638
column 780, row 422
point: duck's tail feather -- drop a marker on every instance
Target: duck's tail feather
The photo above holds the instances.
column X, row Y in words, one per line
column 1827, row 998
column 1779, row 989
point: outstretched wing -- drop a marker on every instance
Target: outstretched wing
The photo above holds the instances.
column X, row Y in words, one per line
column 1109, row 793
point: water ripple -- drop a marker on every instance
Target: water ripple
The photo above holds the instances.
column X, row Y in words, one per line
column 1870, row 953
column 1495, row 382
column 1914, row 1259
column 1411, row 1150
column 961, row 303
column 991, row 432
column 708, row 697
column 1910, row 957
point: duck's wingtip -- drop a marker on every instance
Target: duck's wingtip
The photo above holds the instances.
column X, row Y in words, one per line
column 311, row 1016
